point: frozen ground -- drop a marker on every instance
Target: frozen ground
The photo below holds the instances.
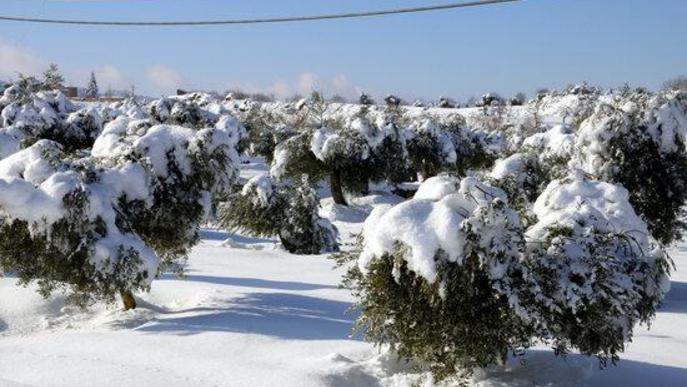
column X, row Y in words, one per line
column 250, row 314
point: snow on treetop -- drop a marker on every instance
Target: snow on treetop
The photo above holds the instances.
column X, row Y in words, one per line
column 668, row 120
column 322, row 142
column 33, row 188
column 327, row 143
column 432, row 128
column 661, row 118
column 373, row 134
column 262, row 186
column 130, row 179
column 582, row 204
column 33, row 164
column 36, row 204
column 161, row 140
column 426, row 227
column 111, row 142
column 510, row 166
column 230, row 125
column 436, row 187
column 555, row 142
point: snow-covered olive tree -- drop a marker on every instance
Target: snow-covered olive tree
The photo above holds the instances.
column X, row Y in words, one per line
column 106, row 221
column 59, row 225
column 639, row 141
column 264, row 208
column 265, row 130
column 181, row 111
column 28, row 117
column 436, row 145
column 430, row 148
column 350, row 155
column 592, row 269
column 432, row 277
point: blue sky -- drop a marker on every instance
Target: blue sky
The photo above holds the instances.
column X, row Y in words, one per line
column 459, row 53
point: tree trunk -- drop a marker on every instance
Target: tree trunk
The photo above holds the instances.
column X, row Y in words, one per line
column 426, row 171
column 128, row 299
column 337, row 191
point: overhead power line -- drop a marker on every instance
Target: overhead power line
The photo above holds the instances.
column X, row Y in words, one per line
column 265, row 20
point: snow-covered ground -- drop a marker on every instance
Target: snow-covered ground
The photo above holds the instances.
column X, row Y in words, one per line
column 250, row 314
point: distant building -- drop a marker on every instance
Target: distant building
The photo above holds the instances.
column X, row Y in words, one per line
column 70, row 91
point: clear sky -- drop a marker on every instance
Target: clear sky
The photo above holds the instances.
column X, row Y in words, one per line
column 459, row 53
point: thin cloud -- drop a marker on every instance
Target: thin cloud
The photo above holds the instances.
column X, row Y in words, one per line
column 307, row 83
column 340, row 83
column 303, row 84
column 16, row 59
column 165, row 78
column 111, row 76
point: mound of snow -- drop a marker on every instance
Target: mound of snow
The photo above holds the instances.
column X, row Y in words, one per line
column 436, row 187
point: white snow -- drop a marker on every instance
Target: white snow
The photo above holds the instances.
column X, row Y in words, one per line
column 436, row 187
column 582, row 203
column 161, row 140
column 322, row 142
column 261, row 185
column 33, row 164
column 425, row 227
column 668, row 122
column 31, row 188
column 111, row 143
column 557, row 141
column 510, row 166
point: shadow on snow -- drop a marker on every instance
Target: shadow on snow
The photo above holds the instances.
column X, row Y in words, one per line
column 636, row 373
column 249, row 282
column 218, row 235
column 283, row 315
column 542, row 368
column 258, row 283
column 676, row 299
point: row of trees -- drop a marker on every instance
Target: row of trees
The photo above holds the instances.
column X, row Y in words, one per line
column 118, row 192
column 373, row 144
